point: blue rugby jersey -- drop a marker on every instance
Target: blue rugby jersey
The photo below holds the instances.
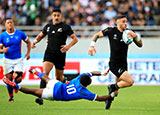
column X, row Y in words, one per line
column 72, row 90
column 13, row 41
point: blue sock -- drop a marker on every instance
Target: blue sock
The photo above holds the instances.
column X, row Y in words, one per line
column 15, row 81
column 40, row 75
column 10, row 89
column 17, row 87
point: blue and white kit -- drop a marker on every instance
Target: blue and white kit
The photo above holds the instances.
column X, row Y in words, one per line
column 73, row 90
column 12, row 58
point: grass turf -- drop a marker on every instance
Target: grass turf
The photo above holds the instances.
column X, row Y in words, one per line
column 136, row 100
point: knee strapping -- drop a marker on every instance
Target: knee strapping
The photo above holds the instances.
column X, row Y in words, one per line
column 19, row 74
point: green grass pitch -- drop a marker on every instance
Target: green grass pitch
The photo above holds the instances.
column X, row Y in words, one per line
column 136, row 100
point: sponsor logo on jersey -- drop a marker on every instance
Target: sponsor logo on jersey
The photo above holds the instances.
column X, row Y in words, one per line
column 115, row 36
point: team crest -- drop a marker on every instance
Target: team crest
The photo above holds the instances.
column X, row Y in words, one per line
column 59, row 30
column 7, row 40
column 16, row 37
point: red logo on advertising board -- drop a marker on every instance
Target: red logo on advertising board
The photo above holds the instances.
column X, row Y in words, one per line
column 68, row 66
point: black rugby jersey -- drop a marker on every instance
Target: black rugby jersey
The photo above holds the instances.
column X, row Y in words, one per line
column 57, row 35
column 118, row 49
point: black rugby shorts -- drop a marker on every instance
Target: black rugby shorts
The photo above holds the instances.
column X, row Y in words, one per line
column 117, row 68
column 58, row 59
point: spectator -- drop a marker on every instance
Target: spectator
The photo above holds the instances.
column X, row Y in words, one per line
column 87, row 12
column 156, row 12
column 84, row 3
column 32, row 11
column 110, row 12
column 2, row 13
column 57, row 4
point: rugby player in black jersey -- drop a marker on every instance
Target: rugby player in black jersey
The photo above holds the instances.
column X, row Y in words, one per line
column 118, row 54
column 55, row 52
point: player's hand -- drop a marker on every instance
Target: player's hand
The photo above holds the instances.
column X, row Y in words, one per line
column 5, row 49
column 27, row 56
column 116, row 93
column 33, row 45
column 105, row 73
column 132, row 34
column 64, row 48
column 91, row 51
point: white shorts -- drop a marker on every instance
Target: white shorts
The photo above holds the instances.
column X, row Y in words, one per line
column 48, row 91
column 10, row 65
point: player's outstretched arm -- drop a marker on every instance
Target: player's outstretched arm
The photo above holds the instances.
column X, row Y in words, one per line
column 37, row 39
column 105, row 97
column 35, row 92
column 98, row 73
column 28, row 48
column 92, row 50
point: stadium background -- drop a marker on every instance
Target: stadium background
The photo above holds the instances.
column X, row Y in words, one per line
column 86, row 18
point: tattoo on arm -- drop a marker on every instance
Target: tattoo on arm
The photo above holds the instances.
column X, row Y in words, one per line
column 95, row 37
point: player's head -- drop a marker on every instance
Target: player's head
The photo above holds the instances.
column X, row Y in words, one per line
column 85, row 80
column 56, row 16
column 121, row 22
column 9, row 24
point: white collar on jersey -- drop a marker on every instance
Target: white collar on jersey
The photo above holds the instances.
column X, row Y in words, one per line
column 11, row 33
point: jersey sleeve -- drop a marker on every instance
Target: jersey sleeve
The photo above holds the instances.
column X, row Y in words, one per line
column 45, row 29
column 69, row 30
column 1, row 40
column 106, row 31
column 86, row 94
column 24, row 36
column 90, row 75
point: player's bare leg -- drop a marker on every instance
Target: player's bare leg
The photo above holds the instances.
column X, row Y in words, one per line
column 35, row 92
column 59, row 75
column 47, row 67
column 40, row 75
column 125, row 80
column 44, row 79
column 18, row 78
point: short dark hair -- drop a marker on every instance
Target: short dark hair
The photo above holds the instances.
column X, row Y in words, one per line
column 57, row 10
column 85, row 80
column 5, row 19
column 122, row 16
column 8, row 18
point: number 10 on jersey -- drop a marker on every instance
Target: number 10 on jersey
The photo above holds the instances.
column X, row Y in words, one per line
column 71, row 89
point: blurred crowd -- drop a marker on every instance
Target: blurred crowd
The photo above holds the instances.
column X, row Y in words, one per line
column 81, row 12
